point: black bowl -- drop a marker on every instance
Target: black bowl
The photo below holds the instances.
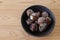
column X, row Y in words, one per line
column 37, row 8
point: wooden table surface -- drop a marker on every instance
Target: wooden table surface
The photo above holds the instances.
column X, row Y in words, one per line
column 10, row 19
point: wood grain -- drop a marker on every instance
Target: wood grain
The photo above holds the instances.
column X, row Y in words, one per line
column 10, row 19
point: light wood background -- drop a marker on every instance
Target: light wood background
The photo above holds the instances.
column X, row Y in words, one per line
column 10, row 19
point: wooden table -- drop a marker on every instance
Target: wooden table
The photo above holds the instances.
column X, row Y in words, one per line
column 10, row 19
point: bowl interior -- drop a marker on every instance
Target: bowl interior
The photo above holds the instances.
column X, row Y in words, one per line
column 37, row 8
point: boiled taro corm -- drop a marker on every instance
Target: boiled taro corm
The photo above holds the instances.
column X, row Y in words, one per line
column 48, row 20
column 42, row 26
column 33, row 27
column 41, row 20
column 34, row 16
column 29, row 12
column 44, row 14
column 28, row 21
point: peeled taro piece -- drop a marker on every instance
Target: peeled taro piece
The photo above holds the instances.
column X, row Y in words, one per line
column 41, row 20
column 45, row 14
column 34, row 16
column 42, row 26
column 37, row 14
column 33, row 27
column 29, row 21
column 29, row 12
column 48, row 20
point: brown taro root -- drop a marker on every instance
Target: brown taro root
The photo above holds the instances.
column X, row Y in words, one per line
column 45, row 14
column 29, row 21
column 41, row 20
column 42, row 26
column 33, row 27
column 38, row 14
column 34, row 16
column 48, row 20
column 29, row 12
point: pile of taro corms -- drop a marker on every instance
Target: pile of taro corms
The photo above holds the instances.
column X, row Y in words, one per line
column 37, row 21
